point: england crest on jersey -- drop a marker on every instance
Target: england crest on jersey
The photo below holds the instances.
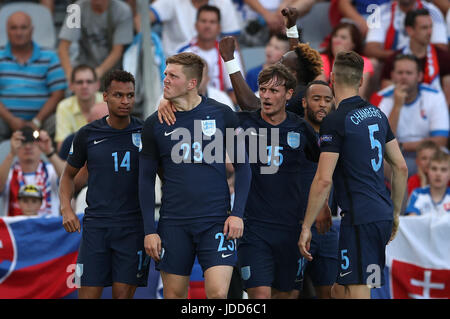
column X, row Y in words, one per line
column 209, row 127
column 293, row 139
column 136, row 138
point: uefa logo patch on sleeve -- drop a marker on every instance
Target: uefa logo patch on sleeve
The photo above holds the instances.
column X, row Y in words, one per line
column 326, row 138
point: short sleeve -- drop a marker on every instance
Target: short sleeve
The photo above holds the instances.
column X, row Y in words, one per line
column 78, row 151
column 439, row 117
column 389, row 134
column 56, row 78
column 411, row 206
column 331, row 134
column 163, row 9
column 229, row 17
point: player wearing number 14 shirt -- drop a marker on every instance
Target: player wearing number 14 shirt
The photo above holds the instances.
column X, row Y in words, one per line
column 111, row 249
column 354, row 140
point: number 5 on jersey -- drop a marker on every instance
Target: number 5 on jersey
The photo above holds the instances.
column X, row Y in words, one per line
column 374, row 143
column 125, row 161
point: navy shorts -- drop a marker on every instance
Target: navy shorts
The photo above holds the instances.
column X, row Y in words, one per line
column 114, row 254
column 362, row 253
column 182, row 243
column 270, row 257
column 324, row 249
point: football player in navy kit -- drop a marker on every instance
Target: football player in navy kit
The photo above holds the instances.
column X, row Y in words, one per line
column 111, row 250
column 194, row 217
column 354, row 141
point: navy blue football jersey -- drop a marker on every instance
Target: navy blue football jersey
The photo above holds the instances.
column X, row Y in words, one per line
column 112, row 158
column 191, row 156
column 358, row 131
column 276, row 199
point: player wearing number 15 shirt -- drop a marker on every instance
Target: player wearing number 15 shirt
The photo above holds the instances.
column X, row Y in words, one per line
column 354, row 140
column 111, row 250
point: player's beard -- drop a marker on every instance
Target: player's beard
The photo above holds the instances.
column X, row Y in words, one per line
column 312, row 116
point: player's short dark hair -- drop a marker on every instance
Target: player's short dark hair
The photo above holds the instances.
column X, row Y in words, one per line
column 119, row 76
column 409, row 57
column 411, row 16
column 279, row 72
column 82, row 67
column 318, row 82
column 427, row 145
column 192, row 65
column 348, row 68
column 208, row 8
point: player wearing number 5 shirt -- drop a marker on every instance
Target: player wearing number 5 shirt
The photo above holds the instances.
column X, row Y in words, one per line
column 354, row 140
column 111, row 250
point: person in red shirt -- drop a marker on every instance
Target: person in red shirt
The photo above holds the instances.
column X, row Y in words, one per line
column 425, row 152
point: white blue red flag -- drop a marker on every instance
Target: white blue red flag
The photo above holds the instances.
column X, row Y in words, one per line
column 37, row 258
column 418, row 260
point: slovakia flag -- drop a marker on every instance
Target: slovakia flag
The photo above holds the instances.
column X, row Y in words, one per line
column 37, row 258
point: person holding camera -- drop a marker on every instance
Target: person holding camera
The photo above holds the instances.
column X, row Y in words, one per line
column 28, row 145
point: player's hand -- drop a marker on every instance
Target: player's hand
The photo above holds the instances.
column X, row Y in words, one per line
column 152, row 245
column 166, row 112
column 71, row 222
column 227, row 46
column 395, row 224
column 234, row 227
column 304, row 243
column 290, row 16
column 323, row 220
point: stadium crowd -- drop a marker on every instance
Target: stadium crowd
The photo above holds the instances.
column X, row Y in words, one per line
column 48, row 93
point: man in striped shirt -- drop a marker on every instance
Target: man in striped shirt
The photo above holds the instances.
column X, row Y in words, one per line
column 32, row 81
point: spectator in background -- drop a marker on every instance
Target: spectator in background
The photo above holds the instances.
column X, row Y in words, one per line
column 425, row 151
column 346, row 37
column 206, row 45
column 416, row 112
column 178, row 20
column 390, row 35
column 72, row 113
column 30, row 169
column 106, row 27
column 30, row 199
column 32, row 81
column 211, row 92
column 47, row 3
column 278, row 45
column 357, row 11
column 97, row 111
column 434, row 60
column 435, row 198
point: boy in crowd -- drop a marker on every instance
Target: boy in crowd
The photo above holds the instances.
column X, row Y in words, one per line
column 435, row 198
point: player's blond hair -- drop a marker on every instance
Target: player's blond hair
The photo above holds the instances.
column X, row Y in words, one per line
column 192, row 65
